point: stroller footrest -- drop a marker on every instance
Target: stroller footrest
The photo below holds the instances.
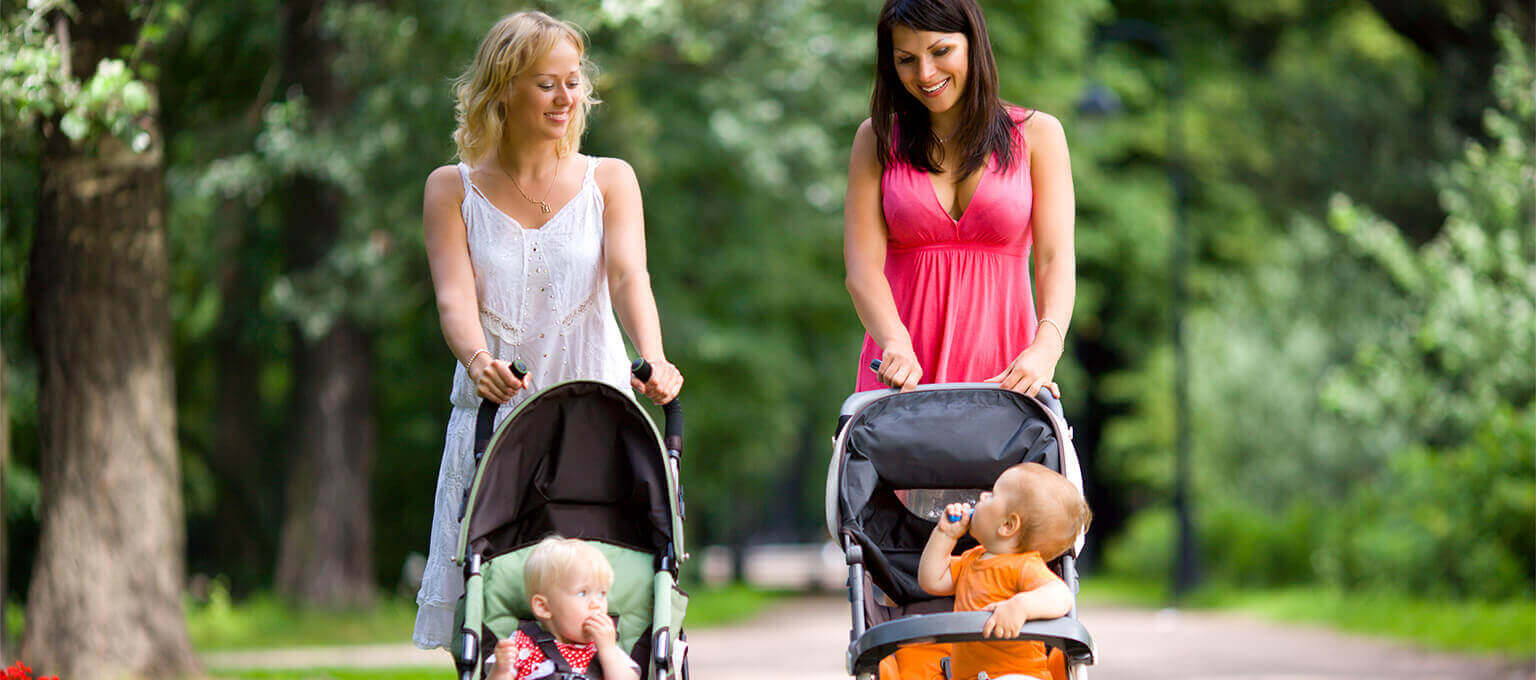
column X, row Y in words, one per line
column 865, row 653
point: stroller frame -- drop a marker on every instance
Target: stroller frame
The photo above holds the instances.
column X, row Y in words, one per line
column 869, row 644
column 512, row 529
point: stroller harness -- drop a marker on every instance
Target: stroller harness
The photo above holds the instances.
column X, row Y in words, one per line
column 546, row 643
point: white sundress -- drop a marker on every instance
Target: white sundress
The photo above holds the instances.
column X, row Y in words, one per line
column 543, row 297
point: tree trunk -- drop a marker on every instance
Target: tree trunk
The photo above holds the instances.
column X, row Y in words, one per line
column 243, row 531
column 326, row 553
column 326, row 558
column 105, row 597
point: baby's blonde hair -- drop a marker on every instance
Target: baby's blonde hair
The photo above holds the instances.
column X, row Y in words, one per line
column 554, row 558
column 1052, row 508
column 509, row 49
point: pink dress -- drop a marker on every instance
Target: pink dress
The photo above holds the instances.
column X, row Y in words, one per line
column 962, row 286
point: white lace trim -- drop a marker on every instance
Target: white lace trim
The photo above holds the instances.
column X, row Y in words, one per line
column 511, row 333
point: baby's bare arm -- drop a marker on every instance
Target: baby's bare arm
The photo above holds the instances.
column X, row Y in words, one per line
column 933, row 573
column 1049, row 601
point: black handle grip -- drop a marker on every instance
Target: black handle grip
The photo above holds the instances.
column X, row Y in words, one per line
column 674, row 413
column 673, row 410
column 874, row 365
column 519, row 369
column 641, row 368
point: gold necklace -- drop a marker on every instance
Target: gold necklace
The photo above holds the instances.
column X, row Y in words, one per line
column 543, row 205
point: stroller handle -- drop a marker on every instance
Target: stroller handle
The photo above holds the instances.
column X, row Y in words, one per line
column 673, row 410
column 1044, row 396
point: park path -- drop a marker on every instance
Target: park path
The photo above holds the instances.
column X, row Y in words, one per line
column 804, row 639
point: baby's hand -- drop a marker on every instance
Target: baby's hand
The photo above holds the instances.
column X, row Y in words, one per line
column 599, row 628
column 956, row 520
column 1008, row 616
column 506, row 659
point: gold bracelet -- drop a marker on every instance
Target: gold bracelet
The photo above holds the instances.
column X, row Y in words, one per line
column 474, row 356
column 1059, row 333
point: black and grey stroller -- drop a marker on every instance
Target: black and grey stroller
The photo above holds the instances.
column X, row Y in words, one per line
column 938, row 444
column 582, row 459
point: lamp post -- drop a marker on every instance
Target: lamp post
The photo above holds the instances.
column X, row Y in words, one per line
column 1099, row 100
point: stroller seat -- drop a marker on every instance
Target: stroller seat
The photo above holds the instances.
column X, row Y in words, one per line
column 581, row 459
column 897, row 458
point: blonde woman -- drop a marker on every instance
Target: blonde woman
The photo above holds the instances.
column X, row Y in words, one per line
column 533, row 248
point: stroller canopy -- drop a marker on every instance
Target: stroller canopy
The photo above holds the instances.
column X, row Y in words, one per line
column 939, row 439
column 581, row 458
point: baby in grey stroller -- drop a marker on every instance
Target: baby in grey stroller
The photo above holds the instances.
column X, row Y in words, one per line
column 1031, row 515
column 900, row 462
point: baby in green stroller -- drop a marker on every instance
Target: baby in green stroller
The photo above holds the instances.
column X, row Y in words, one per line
column 568, row 581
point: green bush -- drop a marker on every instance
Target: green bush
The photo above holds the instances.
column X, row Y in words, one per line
column 1451, row 523
column 1239, row 546
column 1143, row 550
column 1376, row 396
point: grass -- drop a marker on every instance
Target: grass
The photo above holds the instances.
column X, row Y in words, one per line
column 444, row 673
column 1505, row 628
column 263, row 621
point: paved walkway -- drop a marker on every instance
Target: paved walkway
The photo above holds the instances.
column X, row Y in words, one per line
column 804, row 639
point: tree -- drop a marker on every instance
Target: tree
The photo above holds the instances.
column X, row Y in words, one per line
column 105, row 596
column 326, row 551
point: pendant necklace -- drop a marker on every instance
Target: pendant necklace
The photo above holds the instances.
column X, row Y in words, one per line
column 543, row 203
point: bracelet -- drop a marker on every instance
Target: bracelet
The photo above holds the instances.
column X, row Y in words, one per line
column 1059, row 333
column 472, row 357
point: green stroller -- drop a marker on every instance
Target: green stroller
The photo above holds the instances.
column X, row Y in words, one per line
column 581, row 459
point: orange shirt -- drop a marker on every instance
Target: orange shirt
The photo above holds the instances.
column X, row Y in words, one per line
column 980, row 582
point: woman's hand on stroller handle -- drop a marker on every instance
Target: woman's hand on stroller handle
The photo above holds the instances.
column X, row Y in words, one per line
column 660, row 381
column 1030, row 371
column 498, row 380
column 897, row 367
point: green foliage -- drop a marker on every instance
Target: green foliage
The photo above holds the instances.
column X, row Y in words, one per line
column 1388, row 382
column 37, row 82
column 1444, row 523
column 220, row 623
column 1143, row 551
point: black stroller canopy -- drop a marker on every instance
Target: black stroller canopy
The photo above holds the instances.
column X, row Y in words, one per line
column 580, row 458
column 942, row 439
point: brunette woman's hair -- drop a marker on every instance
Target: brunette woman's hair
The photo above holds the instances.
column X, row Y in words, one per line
column 985, row 126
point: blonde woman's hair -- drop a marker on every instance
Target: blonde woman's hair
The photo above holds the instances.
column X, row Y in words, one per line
column 554, row 558
column 508, row 50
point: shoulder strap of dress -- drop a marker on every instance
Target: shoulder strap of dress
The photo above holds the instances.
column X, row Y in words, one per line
column 464, row 175
column 469, row 184
column 592, row 163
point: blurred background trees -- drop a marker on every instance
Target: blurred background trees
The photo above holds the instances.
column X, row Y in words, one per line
column 1359, row 209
